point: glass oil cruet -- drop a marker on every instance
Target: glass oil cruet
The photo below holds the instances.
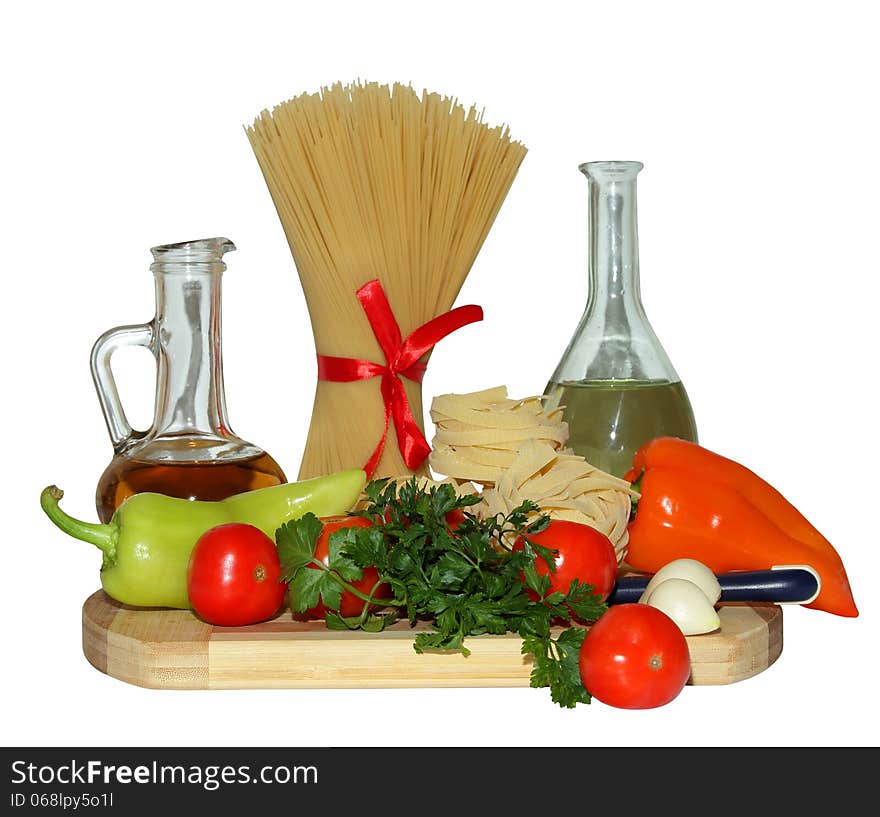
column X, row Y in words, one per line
column 617, row 387
column 190, row 451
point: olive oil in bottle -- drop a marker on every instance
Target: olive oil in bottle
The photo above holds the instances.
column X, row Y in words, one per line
column 618, row 388
column 610, row 419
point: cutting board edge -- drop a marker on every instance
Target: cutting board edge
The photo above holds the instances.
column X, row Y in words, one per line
column 116, row 643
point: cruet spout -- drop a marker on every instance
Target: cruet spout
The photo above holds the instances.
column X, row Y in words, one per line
column 202, row 249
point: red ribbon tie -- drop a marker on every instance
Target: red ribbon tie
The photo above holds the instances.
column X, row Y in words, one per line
column 401, row 360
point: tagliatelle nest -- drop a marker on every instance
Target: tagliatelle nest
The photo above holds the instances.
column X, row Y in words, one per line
column 565, row 486
column 479, row 434
column 515, row 450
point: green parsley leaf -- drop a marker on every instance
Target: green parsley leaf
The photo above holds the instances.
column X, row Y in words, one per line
column 584, row 603
column 309, row 586
column 338, row 559
column 451, row 568
column 567, row 688
column 366, row 547
column 295, row 542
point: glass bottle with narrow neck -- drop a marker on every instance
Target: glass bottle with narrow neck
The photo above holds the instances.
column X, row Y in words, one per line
column 190, row 450
column 617, row 386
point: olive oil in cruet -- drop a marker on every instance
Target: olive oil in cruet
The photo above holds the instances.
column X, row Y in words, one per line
column 190, row 451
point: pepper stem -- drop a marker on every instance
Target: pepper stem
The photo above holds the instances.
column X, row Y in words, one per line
column 102, row 536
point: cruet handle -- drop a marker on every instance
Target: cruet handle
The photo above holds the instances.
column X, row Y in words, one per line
column 121, row 433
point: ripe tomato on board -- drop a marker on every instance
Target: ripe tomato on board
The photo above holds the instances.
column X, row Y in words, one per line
column 634, row 657
column 584, row 553
column 233, row 576
column 350, row 605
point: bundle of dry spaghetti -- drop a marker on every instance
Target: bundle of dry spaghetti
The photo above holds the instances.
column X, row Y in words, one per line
column 376, row 183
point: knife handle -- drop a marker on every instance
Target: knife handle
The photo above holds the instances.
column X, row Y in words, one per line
column 786, row 584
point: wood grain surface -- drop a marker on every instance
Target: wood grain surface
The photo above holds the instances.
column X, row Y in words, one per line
column 174, row 649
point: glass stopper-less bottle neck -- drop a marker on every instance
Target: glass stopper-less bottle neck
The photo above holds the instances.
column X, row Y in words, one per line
column 614, row 340
column 614, row 241
column 190, row 398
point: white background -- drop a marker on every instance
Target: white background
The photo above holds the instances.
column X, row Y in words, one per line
column 123, row 129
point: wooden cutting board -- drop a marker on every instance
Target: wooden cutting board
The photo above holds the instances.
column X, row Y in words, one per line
column 173, row 649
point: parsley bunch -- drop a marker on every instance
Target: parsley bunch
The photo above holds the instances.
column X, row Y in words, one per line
column 465, row 581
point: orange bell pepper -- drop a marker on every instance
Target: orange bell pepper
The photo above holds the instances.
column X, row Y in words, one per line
column 697, row 504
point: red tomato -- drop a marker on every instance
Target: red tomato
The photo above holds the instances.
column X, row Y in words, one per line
column 634, row 657
column 233, row 576
column 350, row 604
column 584, row 553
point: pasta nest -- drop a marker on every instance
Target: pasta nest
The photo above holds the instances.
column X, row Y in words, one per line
column 515, row 450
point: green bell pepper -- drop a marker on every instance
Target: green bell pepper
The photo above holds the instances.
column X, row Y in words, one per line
column 147, row 544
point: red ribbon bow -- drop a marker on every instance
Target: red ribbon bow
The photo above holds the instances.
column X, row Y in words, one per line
column 402, row 360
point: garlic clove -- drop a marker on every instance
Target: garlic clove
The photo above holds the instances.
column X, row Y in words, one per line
column 693, row 571
column 685, row 603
